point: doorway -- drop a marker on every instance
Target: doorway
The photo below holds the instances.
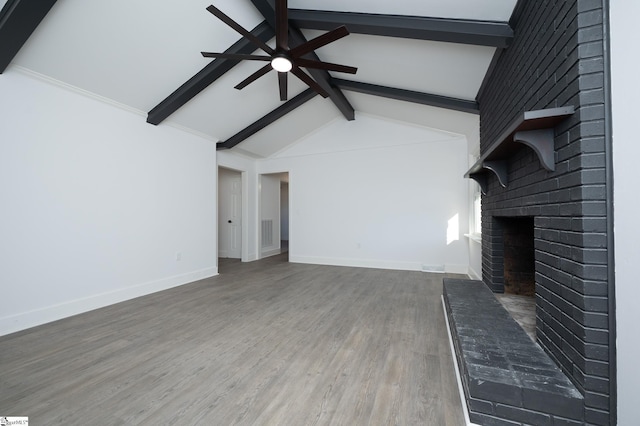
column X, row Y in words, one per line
column 229, row 213
column 274, row 214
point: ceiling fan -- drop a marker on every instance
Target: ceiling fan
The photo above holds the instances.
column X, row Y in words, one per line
column 283, row 59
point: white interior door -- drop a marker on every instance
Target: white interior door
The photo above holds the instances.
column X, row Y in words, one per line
column 230, row 214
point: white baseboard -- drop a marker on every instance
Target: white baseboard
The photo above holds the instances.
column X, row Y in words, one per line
column 456, row 269
column 357, row 263
column 463, row 400
column 48, row 314
column 250, row 257
column 474, row 275
column 379, row 264
column 270, row 252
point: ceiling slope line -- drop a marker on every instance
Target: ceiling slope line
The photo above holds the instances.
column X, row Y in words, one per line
column 463, row 31
column 18, row 20
column 322, row 77
column 429, row 99
column 268, row 119
column 208, row 75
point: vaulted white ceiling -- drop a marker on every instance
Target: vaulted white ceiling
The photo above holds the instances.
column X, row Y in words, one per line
column 137, row 53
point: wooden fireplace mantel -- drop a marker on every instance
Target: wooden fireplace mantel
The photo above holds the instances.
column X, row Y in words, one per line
column 534, row 129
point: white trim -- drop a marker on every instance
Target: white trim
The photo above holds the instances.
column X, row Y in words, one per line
column 190, row 130
column 456, row 269
column 415, row 125
column 77, row 90
column 378, row 264
column 270, row 252
column 473, row 274
column 446, row 136
column 463, row 400
column 474, row 237
column 366, row 148
column 54, row 82
column 41, row 316
column 357, row 263
column 296, row 142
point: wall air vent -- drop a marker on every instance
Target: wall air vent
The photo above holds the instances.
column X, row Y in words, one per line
column 267, row 233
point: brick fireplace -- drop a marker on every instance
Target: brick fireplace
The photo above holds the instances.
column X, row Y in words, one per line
column 550, row 208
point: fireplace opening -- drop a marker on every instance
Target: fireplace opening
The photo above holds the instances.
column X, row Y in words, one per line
column 519, row 271
column 519, row 256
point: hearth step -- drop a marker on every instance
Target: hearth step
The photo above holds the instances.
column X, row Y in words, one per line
column 506, row 377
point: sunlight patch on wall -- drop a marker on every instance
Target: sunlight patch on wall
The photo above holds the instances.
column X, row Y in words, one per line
column 453, row 229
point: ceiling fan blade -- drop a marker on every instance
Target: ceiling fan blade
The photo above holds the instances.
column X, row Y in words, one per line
column 308, row 63
column 253, row 77
column 309, row 82
column 282, row 25
column 237, row 56
column 233, row 24
column 319, row 41
column 282, row 83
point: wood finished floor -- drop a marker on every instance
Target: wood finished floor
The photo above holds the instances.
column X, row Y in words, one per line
column 264, row 343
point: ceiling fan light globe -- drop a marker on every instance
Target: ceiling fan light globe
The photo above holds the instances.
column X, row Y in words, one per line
column 281, row 64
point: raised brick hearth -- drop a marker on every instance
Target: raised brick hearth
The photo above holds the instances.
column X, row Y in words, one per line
column 506, row 377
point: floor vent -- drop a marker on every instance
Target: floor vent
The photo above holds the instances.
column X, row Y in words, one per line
column 433, row 268
column 267, row 233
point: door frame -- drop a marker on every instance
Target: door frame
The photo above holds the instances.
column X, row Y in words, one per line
column 244, row 246
column 261, row 255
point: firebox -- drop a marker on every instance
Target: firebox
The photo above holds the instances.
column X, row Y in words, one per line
column 519, row 256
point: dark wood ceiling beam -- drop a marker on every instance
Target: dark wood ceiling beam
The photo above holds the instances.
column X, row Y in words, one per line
column 409, row 96
column 484, row 33
column 267, row 10
column 273, row 116
column 213, row 71
column 322, row 77
column 18, row 20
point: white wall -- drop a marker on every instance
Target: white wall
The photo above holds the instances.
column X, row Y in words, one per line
column 626, row 152
column 377, row 193
column 475, row 237
column 475, row 259
column 97, row 205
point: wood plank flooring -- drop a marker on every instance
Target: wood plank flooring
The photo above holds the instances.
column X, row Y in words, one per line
column 264, row 343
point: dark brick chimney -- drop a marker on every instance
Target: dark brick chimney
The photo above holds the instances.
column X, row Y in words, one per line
column 556, row 60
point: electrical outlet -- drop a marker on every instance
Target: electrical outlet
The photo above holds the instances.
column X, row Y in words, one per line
column 178, row 256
